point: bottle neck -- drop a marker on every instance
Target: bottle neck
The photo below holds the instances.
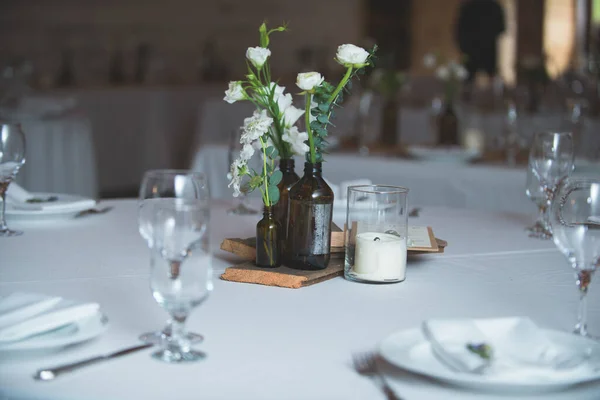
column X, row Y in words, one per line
column 268, row 211
column 311, row 169
column 286, row 165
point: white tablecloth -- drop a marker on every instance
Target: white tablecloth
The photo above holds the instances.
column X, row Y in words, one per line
column 60, row 156
column 273, row 343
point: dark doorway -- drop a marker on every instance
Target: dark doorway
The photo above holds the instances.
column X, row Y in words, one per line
column 388, row 23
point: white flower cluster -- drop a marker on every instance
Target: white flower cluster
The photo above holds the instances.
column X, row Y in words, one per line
column 452, row 70
column 254, row 128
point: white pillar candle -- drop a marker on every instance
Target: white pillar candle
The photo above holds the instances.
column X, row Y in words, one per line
column 380, row 257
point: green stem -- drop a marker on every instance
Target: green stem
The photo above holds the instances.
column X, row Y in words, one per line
column 340, row 86
column 311, row 142
column 265, row 180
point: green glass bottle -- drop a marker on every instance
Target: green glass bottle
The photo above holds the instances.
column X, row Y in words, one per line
column 309, row 221
column 268, row 240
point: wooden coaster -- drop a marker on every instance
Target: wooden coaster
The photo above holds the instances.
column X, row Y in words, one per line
column 282, row 276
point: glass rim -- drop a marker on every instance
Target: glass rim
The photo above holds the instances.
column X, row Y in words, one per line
column 363, row 189
column 169, row 171
column 561, row 133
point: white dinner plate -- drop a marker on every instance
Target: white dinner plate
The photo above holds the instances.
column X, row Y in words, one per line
column 452, row 154
column 81, row 331
column 73, row 204
column 410, row 350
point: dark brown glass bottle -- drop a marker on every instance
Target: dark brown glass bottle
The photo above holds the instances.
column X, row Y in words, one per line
column 389, row 123
column 448, row 127
column 309, row 221
column 268, row 240
column 280, row 209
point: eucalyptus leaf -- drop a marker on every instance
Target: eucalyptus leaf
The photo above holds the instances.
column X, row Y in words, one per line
column 276, row 178
column 273, row 194
column 322, row 118
column 324, row 107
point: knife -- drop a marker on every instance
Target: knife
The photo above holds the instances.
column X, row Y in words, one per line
column 48, row 374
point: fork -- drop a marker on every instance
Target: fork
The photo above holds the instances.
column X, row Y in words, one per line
column 93, row 211
column 365, row 365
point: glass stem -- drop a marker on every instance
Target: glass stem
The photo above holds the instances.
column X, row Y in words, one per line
column 584, row 278
column 178, row 336
column 3, row 187
column 544, row 216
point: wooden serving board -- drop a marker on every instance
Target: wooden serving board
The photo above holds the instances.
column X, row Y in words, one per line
column 283, row 276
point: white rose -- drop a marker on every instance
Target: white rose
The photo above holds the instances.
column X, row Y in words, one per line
column 296, row 139
column 350, row 55
column 309, row 80
column 460, row 72
column 291, row 115
column 257, row 56
column 235, row 92
column 442, row 72
column 429, row 60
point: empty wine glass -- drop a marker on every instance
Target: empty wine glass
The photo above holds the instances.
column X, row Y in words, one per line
column 12, row 158
column 180, row 273
column 534, row 191
column 158, row 185
column 575, row 221
column 551, row 160
column 233, row 151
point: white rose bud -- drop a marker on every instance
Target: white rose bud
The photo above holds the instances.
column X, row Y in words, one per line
column 309, row 80
column 429, row 60
column 257, row 56
column 235, row 92
column 442, row 73
column 350, row 55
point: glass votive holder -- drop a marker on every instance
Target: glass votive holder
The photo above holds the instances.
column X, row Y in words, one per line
column 376, row 232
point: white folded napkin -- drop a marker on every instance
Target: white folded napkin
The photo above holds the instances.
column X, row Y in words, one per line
column 23, row 315
column 515, row 343
column 17, row 194
column 17, row 197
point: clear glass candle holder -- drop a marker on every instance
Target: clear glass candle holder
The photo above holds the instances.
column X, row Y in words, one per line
column 376, row 233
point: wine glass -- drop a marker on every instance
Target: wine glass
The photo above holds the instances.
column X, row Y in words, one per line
column 551, row 160
column 12, row 158
column 533, row 189
column 575, row 219
column 180, row 273
column 233, row 151
column 158, row 185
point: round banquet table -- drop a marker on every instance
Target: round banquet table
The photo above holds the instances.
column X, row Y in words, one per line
column 275, row 343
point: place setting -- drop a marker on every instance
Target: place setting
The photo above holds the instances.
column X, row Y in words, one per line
column 20, row 205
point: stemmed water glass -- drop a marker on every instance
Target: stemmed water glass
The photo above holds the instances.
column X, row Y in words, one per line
column 181, row 274
column 575, row 219
column 535, row 193
column 12, row 158
column 233, row 151
column 157, row 186
column 551, row 161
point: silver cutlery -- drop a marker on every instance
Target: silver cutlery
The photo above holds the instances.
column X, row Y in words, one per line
column 365, row 365
column 414, row 212
column 48, row 374
column 93, row 211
